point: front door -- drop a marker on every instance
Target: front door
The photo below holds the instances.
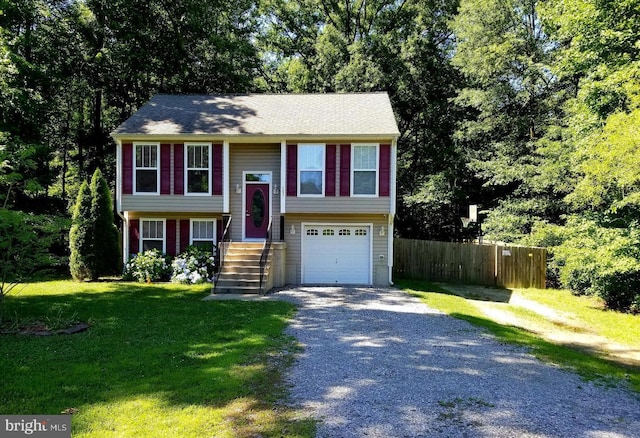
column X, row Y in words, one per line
column 256, row 211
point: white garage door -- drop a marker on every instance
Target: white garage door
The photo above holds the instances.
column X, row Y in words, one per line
column 336, row 254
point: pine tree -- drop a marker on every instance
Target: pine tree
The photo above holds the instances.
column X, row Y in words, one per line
column 105, row 233
column 81, row 236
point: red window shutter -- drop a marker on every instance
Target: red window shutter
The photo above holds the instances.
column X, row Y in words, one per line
column 385, row 169
column 219, row 230
column 171, row 237
column 217, row 169
column 330, row 171
column 134, row 236
column 345, row 169
column 292, row 170
column 165, row 169
column 127, row 168
column 185, row 224
column 178, row 169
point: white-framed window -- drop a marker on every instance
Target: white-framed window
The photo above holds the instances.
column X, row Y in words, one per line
column 312, row 232
column 146, row 174
column 364, row 169
column 197, row 165
column 152, row 235
column 203, row 233
column 311, row 169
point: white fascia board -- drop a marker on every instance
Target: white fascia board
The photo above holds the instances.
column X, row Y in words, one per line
column 119, row 176
column 283, row 176
column 225, row 176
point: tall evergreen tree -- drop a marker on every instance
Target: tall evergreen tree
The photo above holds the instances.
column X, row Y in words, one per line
column 81, row 237
column 106, row 259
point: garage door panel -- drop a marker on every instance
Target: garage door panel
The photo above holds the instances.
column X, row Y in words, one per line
column 337, row 254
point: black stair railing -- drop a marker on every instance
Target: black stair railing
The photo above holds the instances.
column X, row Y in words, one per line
column 265, row 254
column 222, row 251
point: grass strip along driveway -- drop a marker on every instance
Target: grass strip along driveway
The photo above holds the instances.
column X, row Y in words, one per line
column 558, row 331
column 156, row 361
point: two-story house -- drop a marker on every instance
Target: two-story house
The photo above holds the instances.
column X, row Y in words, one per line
column 316, row 170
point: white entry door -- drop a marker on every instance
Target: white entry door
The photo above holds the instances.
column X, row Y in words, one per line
column 336, row 254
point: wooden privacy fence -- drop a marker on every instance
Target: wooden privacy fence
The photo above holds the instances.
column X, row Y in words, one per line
column 487, row 265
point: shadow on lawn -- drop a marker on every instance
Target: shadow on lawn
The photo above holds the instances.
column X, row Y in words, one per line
column 471, row 292
column 587, row 362
column 144, row 340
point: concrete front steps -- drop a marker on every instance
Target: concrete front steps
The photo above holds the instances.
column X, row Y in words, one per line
column 241, row 269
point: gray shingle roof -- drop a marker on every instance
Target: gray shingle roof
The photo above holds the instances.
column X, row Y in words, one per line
column 366, row 114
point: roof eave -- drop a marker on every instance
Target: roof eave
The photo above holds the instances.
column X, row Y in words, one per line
column 254, row 138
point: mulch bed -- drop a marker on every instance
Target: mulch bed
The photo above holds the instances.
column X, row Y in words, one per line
column 38, row 328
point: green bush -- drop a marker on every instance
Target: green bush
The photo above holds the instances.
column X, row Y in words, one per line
column 592, row 259
column 147, row 267
column 22, row 251
column 619, row 290
column 579, row 280
column 53, row 231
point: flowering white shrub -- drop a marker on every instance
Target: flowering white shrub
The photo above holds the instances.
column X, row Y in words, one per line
column 195, row 265
column 148, row 267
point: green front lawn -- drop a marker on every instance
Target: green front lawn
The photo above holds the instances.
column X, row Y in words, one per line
column 623, row 328
column 157, row 361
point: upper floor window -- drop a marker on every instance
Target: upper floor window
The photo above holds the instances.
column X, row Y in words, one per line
column 147, row 168
column 198, row 169
column 152, row 234
column 364, row 170
column 311, row 169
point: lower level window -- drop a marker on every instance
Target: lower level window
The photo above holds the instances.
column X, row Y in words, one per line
column 203, row 233
column 152, row 235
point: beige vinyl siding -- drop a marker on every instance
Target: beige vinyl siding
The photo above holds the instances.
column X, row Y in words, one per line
column 338, row 204
column 339, row 140
column 174, row 215
column 380, row 274
column 252, row 158
column 172, row 203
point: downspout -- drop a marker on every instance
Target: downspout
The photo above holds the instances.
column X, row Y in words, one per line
column 283, row 178
column 392, row 208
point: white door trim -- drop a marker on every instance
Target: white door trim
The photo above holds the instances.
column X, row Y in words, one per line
column 244, row 200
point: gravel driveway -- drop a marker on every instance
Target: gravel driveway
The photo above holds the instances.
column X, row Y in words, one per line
column 378, row 363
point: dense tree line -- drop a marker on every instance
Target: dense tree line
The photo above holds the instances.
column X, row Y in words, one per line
column 528, row 108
